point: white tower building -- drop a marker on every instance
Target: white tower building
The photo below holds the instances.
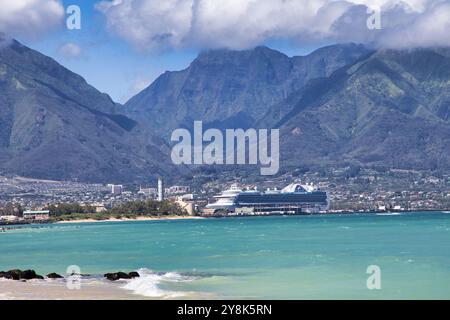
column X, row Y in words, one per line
column 160, row 189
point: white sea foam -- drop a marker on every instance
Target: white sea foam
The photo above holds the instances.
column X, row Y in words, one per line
column 149, row 284
column 5, row 296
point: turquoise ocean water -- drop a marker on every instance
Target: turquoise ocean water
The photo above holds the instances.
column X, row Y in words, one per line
column 300, row 257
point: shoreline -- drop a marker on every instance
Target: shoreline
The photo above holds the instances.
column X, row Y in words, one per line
column 90, row 289
column 142, row 284
column 112, row 219
column 189, row 217
column 57, row 290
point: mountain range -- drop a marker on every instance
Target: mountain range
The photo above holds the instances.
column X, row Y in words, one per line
column 53, row 125
column 342, row 104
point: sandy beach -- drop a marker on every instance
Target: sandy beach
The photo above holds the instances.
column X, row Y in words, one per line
column 144, row 288
column 112, row 219
column 58, row 290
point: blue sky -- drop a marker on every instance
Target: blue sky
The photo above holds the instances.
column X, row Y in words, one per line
column 113, row 65
column 107, row 62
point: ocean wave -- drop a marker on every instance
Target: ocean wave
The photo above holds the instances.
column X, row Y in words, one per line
column 37, row 229
column 150, row 284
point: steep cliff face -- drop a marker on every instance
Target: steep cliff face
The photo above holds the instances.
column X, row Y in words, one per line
column 232, row 89
column 391, row 109
column 54, row 125
column 341, row 104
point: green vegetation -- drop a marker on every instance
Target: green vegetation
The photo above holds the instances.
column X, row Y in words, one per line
column 11, row 209
column 149, row 207
column 62, row 209
column 128, row 210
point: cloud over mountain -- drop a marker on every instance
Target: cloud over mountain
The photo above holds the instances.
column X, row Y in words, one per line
column 29, row 17
column 239, row 24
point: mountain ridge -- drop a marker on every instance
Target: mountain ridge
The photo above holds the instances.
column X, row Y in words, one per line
column 340, row 104
column 386, row 116
column 55, row 125
column 221, row 84
column 377, row 87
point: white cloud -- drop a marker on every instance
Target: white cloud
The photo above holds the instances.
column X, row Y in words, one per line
column 155, row 24
column 151, row 24
column 431, row 28
column 29, row 17
column 70, row 50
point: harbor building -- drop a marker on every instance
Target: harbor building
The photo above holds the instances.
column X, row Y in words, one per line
column 36, row 215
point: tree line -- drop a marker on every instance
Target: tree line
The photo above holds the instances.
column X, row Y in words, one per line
column 11, row 209
column 131, row 208
column 138, row 207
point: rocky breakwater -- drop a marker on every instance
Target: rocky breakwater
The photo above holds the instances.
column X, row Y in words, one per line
column 24, row 275
column 17, row 274
column 121, row 275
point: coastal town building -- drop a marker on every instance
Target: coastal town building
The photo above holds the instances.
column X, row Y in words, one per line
column 36, row 215
column 174, row 190
column 116, row 189
column 148, row 192
column 188, row 206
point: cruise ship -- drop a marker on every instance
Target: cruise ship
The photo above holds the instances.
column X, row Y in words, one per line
column 293, row 199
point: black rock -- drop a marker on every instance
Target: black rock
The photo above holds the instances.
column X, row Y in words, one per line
column 14, row 274
column 117, row 276
column 28, row 275
column 17, row 274
column 6, row 275
column 134, row 274
column 54, row 276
